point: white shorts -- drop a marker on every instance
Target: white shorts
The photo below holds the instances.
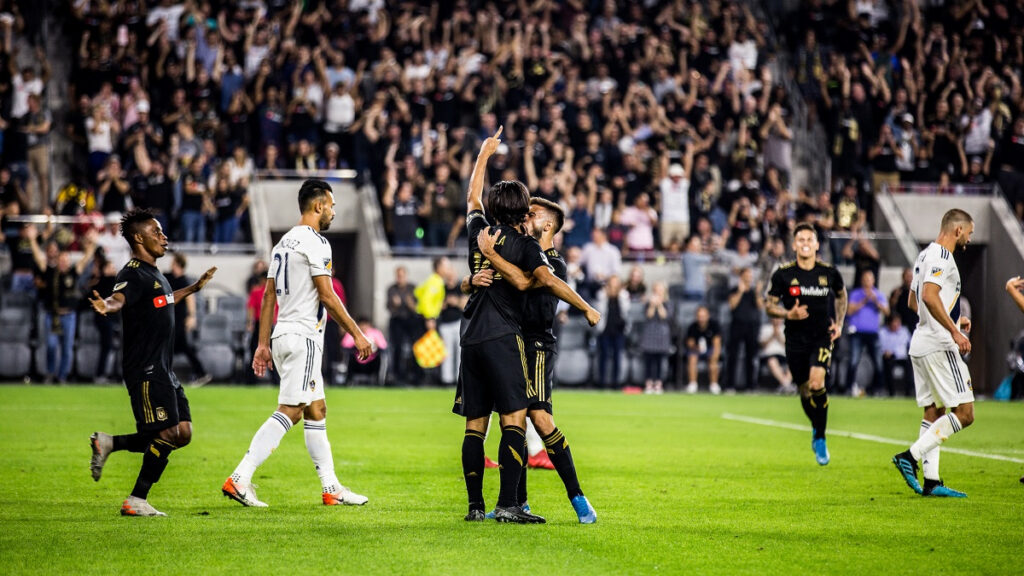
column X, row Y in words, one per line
column 941, row 378
column 297, row 360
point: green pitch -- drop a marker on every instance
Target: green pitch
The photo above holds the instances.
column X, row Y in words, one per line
column 677, row 487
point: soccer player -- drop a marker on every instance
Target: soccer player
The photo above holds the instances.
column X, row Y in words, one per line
column 299, row 281
column 1013, row 287
column 163, row 421
column 494, row 374
column 543, row 222
column 940, row 374
column 811, row 296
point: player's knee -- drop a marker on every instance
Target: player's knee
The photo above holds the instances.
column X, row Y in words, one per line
column 543, row 422
column 184, row 438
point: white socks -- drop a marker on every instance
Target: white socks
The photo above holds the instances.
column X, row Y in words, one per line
column 533, row 442
column 320, row 451
column 930, row 460
column 266, row 440
column 937, row 433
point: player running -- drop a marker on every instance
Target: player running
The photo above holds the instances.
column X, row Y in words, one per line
column 163, row 421
column 807, row 293
column 299, row 280
column 940, row 374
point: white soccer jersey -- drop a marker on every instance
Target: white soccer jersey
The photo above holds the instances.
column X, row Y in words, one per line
column 299, row 256
column 935, row 265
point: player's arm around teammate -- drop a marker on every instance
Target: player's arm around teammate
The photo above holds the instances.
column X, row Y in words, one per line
column 542, row 277
column 1013, row 287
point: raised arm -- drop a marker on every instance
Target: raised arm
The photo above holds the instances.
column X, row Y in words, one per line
column 474, row 199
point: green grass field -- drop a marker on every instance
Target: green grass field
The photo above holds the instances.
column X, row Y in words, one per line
column 677, row 487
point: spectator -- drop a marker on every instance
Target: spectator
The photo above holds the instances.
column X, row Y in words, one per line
column 894, row 342
column 599, row 259
column 445, row 202
column 36, row 124
column 253, row 308
column 674, row 203
column 695, row 275
column 613, row 303
column 746, row 304
column 402, row 326
column 899, row 301
column 430, row 294
column 773, row 355
column 861, row 251
column 195, row 203
column 113, row 188
column 60, row 297
column 448, row 326
column 884, row 155
column 102, row 281
column 703, row 342
column 405, row 210
column 866, row 309
column 186, row 321
column 114, row 246
column 656, row 338
column 635, row 285
column 369, row 366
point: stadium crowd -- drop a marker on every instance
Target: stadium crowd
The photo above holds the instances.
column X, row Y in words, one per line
column 660, row 127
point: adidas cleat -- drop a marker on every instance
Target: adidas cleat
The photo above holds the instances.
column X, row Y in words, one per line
column 907, row 467
column 133, row 506
column 584, row 511
column 243, row 494
column 516, row 515
column 525, row 507
column 102, row 445
column 344, row 496
column 820, row 451
column 940, row 490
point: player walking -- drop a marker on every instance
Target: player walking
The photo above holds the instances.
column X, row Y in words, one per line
column 807, row 293
column 299, row 281
column 163, row 421
column 940, row 374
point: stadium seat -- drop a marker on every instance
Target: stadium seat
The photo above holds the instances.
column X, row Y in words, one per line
column 573, row 367
column 87, row 354
column 15, row 352
column 215, row 348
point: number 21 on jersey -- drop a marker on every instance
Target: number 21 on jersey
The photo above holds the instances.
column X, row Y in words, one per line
column 282, row 268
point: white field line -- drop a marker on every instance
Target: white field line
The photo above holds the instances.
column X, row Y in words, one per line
column 859, row 436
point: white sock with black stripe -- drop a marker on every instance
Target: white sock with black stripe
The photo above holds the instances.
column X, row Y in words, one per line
column 930, row 462
column 939, row 431
column 263, row 444
column 320, row 451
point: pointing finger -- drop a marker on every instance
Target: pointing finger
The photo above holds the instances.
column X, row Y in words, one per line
column 498, row 133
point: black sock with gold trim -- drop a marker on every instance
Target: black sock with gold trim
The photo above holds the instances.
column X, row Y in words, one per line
column 153, row 463
column 132, row 442
column 521, row 491
column 473, row 468
column 511, row 459
column 805, row 403
column 819, row 401
column 558, row 450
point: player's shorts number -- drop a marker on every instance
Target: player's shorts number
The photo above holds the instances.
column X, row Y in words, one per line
column 823, row 355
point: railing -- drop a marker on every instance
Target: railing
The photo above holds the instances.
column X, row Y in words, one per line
column 934, row 188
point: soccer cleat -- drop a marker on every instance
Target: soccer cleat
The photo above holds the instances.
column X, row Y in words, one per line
column 102, row 445
column 584, row 511
column 820, row 451
column 201, row 381
column 540, row 460
column 516, row 515
column 244, row 495
column 941, row 491
column 525, row 507
column 691, row 388
column 344, row 496
column 488, row 463
column 907, row 466
column 133, row 506
column 715, row 388
column 476, row 516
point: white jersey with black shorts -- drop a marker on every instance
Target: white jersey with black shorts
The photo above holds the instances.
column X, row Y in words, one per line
column 298, row 338
column 940, row 374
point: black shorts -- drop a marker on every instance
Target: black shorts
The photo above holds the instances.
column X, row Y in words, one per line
column 540, row 359
column 158, row 405
column 802, row 357
column 492, row 377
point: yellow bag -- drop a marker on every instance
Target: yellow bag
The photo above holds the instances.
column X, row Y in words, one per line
column 429, row 350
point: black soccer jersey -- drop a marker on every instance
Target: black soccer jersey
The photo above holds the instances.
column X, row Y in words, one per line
column 475, row 222
column 539, row 317
column 816, row 288
column 148, row 323
column 498, row 310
